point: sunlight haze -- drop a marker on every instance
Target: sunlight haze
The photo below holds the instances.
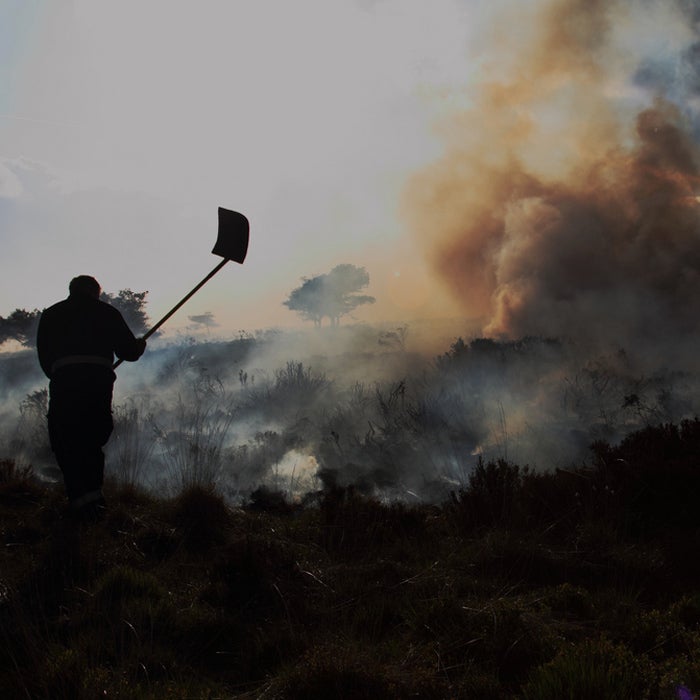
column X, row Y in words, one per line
column 123, row 126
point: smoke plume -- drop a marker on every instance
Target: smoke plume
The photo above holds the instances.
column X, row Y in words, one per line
column 566, row 202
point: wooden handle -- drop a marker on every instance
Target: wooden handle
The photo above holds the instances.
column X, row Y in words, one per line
column 178, row 305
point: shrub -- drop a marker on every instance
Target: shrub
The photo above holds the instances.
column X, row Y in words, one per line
column 353, row 524
column 656, row 474
column 590, row 670
column 658, row 635
column 571, row 601
column 330, row 676
column 295, row 389
column 131, row 444
column 253, row 575
column 338, row 670
column 16, row 482
column 63, row 674
column 491, row 497
column 267, row 500
column 192, row 449
column 687, row 611
column 202, row 516
column 680, row 678
column 130, row 620
column 124, row 583
column 30, row 440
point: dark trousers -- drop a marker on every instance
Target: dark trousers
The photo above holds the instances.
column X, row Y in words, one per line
column 80, row 423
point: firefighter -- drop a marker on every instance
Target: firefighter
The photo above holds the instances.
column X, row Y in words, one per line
column 77, row 339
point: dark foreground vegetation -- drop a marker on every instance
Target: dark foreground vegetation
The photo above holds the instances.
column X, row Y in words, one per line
column 582, row 583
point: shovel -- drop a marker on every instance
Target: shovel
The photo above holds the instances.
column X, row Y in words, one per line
column 231, row 244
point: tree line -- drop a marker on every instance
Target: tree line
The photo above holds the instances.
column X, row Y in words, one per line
column 331, row 295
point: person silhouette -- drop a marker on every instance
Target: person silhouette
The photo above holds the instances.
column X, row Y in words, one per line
column 77, row 339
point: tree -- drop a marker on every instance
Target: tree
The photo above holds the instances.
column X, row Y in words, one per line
column 307, row 300
column 205, row 320
column 331, row 295
column 21, row 326
column 132, row 306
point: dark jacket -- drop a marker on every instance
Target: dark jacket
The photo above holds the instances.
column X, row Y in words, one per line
column 84, row 327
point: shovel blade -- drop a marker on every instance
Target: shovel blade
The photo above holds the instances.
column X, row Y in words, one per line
column 232, row 240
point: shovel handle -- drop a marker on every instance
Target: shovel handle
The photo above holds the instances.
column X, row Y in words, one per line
column 178, row 305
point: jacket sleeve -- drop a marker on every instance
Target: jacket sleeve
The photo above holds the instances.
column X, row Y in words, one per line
column 126, row 345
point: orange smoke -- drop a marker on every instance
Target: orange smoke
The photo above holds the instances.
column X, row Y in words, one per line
column 561, row 207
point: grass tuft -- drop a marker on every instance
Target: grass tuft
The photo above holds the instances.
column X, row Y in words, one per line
column 202, row 517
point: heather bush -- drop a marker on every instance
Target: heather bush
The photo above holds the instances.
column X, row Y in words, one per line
column 655, row 475
column 590, row 670
column 201, row 517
